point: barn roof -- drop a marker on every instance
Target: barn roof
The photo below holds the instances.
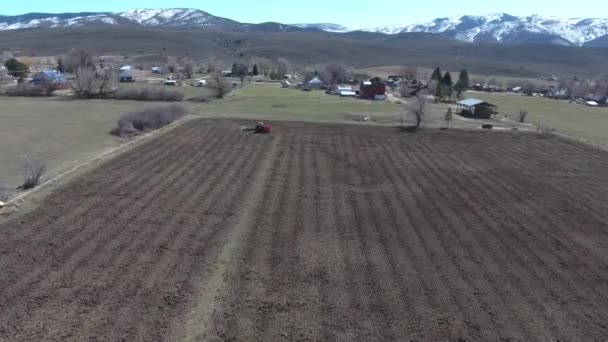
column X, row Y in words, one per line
column 45, row 76
column 470, row 102
column 315, row 80
column 473, row 102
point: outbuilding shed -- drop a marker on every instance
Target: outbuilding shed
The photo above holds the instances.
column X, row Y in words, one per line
column 132, row 76
column 475, row 108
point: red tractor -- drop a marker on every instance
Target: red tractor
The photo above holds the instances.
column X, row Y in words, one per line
column 262, row 128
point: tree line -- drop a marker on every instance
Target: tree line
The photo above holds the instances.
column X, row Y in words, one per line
column 444, row 87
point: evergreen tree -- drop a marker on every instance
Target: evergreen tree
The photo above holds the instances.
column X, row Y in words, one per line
column 234, row 69
column 447, row 85
column 439, row 90
column 463, row 80
column 463, row 83
column 60, row 65
column 447, row 80
column 436, row 75
column 255, row 71
column 16, row 68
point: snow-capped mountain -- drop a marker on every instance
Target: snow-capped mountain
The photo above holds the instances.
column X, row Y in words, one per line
column 502, row 27
column 42, row 20
column 327, row 27
column 175, row 17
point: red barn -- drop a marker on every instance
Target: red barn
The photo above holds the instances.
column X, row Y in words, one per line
column 372, row 88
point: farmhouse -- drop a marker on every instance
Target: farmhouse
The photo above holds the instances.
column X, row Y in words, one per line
column 132, row 76
column 372, row 89
column 475, row 108
column 49, row 77
column 170, row 81
column 315, row 83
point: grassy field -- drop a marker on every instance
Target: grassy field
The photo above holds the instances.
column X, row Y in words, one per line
column 581, row 122
column 61, row 132
column 270, row 102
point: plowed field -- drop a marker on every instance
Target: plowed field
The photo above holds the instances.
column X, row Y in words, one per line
column 317, row 232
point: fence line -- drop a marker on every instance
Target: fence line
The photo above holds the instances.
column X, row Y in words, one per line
column 99, row 157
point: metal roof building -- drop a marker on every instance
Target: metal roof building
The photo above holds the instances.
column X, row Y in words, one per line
column 476, row 108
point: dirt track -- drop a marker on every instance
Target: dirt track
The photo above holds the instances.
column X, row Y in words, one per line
column 358, row 234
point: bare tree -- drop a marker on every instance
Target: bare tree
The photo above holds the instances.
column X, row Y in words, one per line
column 220, row 85
column 264, row 65
column 214, row 65
column 335, row 73
column 106, row 82
column 309, row 75
column 89, row 84
column 601, row 87
column 33, row 169
column 78, row 59
column 582, row 89
column 408, row 73
column 172, row 64
column 283, row 67
column 528, row 88
column 84, row 83
column 448, row 117
column 418, row 108
column 188, row 67
column 241, row 71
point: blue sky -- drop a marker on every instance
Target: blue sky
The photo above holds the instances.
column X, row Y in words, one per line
column 354, row 13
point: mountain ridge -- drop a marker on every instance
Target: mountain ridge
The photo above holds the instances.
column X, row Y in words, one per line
column 506, row 28
column 491, row 28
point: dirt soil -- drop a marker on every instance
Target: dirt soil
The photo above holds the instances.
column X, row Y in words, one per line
column 317, row 232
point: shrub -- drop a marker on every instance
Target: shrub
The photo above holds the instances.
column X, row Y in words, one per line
column 545, row 128
column 135, row 123
column 150, row 94
column 523, row 114
column 33, row 169
column 6, row 193
column 31, row 90
column 201, row 98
